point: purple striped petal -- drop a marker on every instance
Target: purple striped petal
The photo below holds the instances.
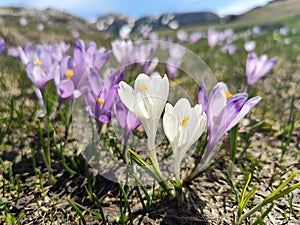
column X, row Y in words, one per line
column 244, row 110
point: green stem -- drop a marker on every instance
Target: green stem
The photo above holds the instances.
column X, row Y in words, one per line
column 233, row 133
column 179, row 192
column 250, row 212
column 125, row 149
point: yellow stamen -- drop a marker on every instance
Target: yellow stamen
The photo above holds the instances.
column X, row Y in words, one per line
column 100, row 101
column 69, row 74
column 38, row 62
column 143, row 87
column 184, row 122
column 228, row 94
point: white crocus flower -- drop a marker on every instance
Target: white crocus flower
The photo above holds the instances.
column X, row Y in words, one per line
column 183, row 126
column 146, row 100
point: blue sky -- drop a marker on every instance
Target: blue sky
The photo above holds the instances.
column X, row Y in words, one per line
column 91, row 9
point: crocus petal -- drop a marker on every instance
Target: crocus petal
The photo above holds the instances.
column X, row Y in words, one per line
column 267, row 66
column 170, row 122
column 101, row 59
column 95, row 81
column 245, row 110
column 143, row 80
column 90, row 101
column 142, row 107
column 126, row 95
column 217, row 102
column 78, row 51
column 132, row 122
column 65, row 89
column 202, row 97
column 104, row 118
column 2, row 45
column 110, row 97
column 233, row 107
column 120, row 112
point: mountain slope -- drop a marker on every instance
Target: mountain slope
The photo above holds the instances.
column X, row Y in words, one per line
column 57, row 26
column 275, row 10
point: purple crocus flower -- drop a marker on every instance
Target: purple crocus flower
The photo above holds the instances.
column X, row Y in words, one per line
column 100, row 107
column 230, row 49
column 23, row 21
column 109, row 79
column 59, row 50
column 124, row 52
column 28, row 53
column 40, row 67
column 172, row 67
column 194, row 37
column 176, row 53
column 72, row 80
column 223, row 112
column 2, row 45
column 127, row 120
column 90, row 55
column 257, row 68
column 149, row 66
column 255, row 30
column 143, row 53
column 100, row 103
column 182, row 36
column 213, row 37
column 250, row 46
column 13, row 51
column 283, row 30
column 40, row 72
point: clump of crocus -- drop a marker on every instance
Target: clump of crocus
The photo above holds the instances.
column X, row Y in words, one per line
column 223, row 111
column 183, row 126
column 257, row 67
column 230, row 49
column 146, row 100
column 132, row 54
column 75, row 72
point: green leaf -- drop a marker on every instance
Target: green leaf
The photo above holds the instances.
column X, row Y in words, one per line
column 241, row 206
column 248, row 196
column 74, row 206
column 283, row 193
column 265, row 213
column 270, row 197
